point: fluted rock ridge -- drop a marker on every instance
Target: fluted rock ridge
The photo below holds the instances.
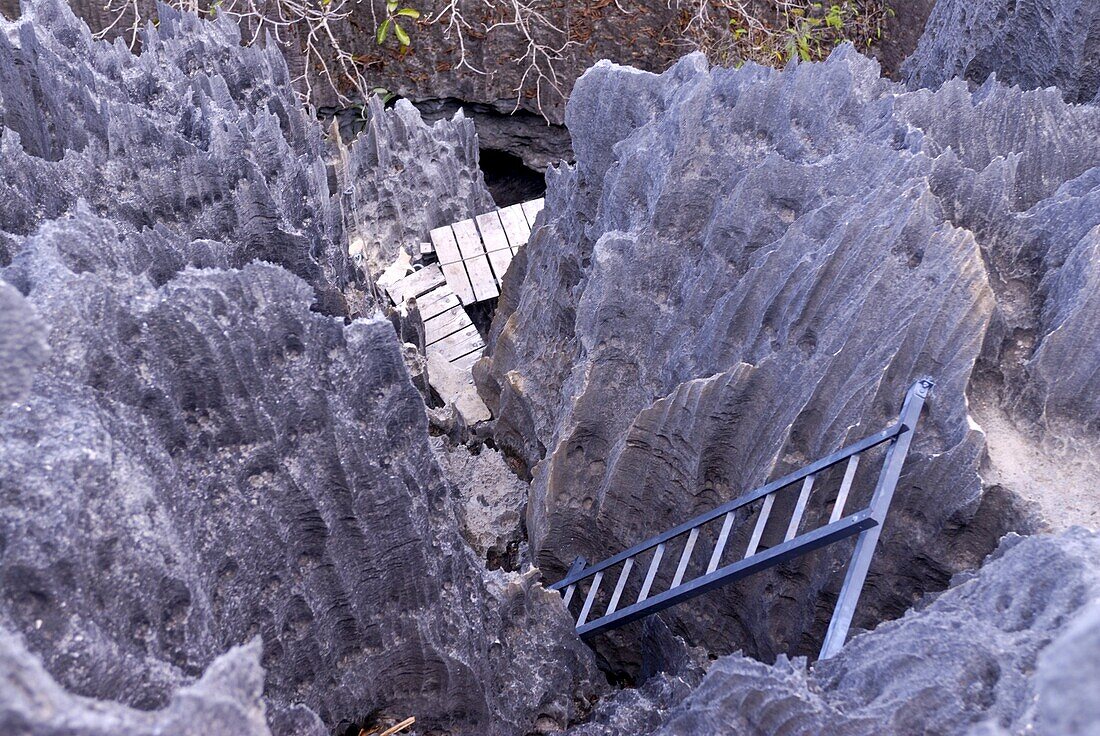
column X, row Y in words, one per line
column 747, row 268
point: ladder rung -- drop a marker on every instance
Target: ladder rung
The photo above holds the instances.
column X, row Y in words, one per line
column 685, row 557
column 657, row 554
column 569, row 594
column 720, row 547
column 799, row 508
column 620, row 585
column 758, row 532
column 845, row 486
column 591, row 597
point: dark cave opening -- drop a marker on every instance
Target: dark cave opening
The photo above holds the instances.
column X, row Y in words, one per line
column 508, row 179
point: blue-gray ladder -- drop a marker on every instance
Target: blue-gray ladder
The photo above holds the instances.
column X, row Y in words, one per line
column 867, row 523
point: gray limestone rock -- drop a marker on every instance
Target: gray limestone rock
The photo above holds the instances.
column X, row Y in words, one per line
column 211, row 451
column 745, row 270
column 195, row 134
column 225, row 701
column 385, row 172
column 1030, row 43
column 23, row 339
column 1010, row 649
column 491, row 498
column 239, row 465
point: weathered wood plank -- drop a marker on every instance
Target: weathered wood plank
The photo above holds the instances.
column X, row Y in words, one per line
column 477, row 264
column 460, row 343
column 415, row 284
column 532, row 209
column 426, row 249
column 496, row 243
column 446, row 323
column 436, row 301
column 466, row 362
column 450, row 259
column 515, row 226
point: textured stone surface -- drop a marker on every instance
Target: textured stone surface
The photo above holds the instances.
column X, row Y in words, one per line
column 204, row 456
column 23, row 339
column 225, row 701
column 190, row 135
column 385, row 172
column 492, row 501
column 239, row 465
column 746, row 269
column 1030, row 43
column 1011, row 647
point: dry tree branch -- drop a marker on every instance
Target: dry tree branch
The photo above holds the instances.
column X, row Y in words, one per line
column 456, row 27
column 539, row 55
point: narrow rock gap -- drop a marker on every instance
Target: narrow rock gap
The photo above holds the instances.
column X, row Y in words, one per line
column 509, row 180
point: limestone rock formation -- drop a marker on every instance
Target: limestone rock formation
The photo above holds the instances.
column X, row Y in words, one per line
column 385, row 172
column 492, row 501
column 22, row 337
column 746, row 269
column 1030, row 43
column 186, row 135
column 210, row 451
column 1010, row 649
column 225, row 701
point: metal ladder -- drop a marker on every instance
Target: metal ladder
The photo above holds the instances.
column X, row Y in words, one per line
column 866, row 522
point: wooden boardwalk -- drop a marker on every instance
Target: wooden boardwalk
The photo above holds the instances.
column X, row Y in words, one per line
column 473, row 257
column 475, row 254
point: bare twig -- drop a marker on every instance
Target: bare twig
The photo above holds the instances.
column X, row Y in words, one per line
column 540, row 55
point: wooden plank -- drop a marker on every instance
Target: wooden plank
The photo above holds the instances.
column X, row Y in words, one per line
column 515, row 226
column 451, row 261
column 436, row 301
column 447, row 323
column 477, row 264
column 460, row 343
column 415, row 284
column 532, row 209
column 496, row 243
column 466, row 362
column 426, row 249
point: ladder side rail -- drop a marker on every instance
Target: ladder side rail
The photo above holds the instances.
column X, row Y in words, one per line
column 860, row 561
column 807, row 542
column 813, row 468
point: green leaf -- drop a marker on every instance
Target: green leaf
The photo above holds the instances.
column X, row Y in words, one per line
column 402, row 37
column 391, row 5
column 383, row 31
column 803, row 49
column 409, row 13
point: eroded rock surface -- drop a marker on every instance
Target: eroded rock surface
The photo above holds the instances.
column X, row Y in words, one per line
column 745, row 271
column 1030, row 43
column 492, row 501
column 225, row 701
column 194, row 134
column 204, row 456
column 385, row 172
column 1007, row 650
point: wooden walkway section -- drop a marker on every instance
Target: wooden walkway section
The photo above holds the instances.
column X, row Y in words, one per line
column 448, row 330
column 473, row 257
column 475, row 254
